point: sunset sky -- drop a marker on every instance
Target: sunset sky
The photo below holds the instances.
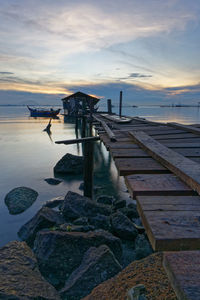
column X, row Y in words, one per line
column 150, row 49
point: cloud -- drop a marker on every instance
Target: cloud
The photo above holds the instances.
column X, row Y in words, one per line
column 138, row 75
column 46, row 42
column 6, row 73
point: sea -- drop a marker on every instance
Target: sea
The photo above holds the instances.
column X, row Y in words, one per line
column 29, row 154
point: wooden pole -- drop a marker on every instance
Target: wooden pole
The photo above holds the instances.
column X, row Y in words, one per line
column 120, row 104
column 81, row 140
column 109, row 104
column 83, row 127
column 88, row 169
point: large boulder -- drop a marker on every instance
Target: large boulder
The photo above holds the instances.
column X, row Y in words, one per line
column 60, row 253
column 98, row 265
column 69, row 164
column 45, row 218
column 19, row 275
column 20, row 199
column 123, row 227
column 76, row 206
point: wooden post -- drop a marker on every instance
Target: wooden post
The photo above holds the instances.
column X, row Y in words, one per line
column 88, row 169
column 83, row 127
column 120, row 104
column 109, row 104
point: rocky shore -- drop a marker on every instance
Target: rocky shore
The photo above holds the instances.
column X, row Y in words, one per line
column 77, row 243
column 74, row 244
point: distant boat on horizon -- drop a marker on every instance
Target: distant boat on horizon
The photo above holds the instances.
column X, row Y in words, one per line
column 51, row 113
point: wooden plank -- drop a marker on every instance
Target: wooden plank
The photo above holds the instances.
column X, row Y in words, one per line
column 185, row 127
column 175, row 136
column 188, row 152
column 196, row 159
column 181, row 145
column 126, row 166
column 162, row 184
column 106, row 128
column 186, row 169
column 172, row 230
column 120, row 153
column 183, row 270
column 169, row 200
column 124, row 145
column 182, row 141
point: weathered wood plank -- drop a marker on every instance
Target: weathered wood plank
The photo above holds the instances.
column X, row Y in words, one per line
column 188, row 152
column 185, row 127
column 122, row 145
column 172, row 230
column 182, row 144
column 162, row 184
column 183, row 270
column 106, row 128
column 175, row 136
column 186, row 169
column 182, row 141
column 168, row 207
column 126, row 166
column 169, row 200
column 120, row 153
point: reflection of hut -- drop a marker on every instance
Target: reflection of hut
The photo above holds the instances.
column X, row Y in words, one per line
column 79, row 103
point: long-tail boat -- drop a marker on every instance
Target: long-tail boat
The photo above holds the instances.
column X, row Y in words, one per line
column 51, row 113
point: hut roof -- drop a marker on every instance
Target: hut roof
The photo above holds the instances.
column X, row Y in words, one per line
column 81, row 95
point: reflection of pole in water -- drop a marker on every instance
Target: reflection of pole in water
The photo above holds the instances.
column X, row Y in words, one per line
column 77, row 136
column 48, row 130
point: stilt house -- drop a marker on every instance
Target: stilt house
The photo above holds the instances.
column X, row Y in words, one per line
column 79, row 104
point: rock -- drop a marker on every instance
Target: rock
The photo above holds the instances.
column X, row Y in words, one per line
column 107, row 200
column 69, row 164
column 119, row 204
column 137, row 293
column 123, row 227
column 45, row 218
column 20, row 199
column 129, row 212
column 81, row 186
column 55, row 202
column 81, row 221
column 60, row 253
column 142, row 246
column 52, row 181
column 128, row 249
column 76, row 206
column 19, row 275
column 98, row 265
column 139, row 228
column 76, row 228
column 100, row 222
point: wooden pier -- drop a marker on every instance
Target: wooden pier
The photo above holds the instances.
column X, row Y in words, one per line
column 161, row 166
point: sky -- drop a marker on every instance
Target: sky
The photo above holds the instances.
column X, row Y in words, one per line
column 149, row 49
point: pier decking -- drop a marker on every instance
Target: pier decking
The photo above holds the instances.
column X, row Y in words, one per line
column 161, row 166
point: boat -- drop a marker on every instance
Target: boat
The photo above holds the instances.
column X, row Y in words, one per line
column 51, row 113
column 116, row 118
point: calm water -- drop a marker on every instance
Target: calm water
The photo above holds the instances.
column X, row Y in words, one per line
column 184, row 115
column 28, row 156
